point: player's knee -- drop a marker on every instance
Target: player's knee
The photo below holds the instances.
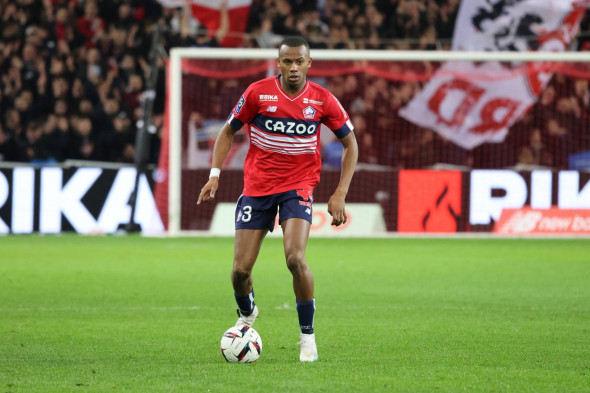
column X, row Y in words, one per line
column 240, row 275
column 296, row 263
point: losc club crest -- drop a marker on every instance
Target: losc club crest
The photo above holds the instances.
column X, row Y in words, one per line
column 308, row 112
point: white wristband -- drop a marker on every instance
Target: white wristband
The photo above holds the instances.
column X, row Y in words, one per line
column 215, row 172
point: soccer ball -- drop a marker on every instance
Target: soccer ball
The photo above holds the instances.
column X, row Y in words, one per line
column 241, row 344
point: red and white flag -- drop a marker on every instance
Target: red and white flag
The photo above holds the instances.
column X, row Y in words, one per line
column 474, row 103
column 208, row 13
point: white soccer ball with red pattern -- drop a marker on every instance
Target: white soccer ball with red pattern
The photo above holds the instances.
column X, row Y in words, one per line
column 241, row 344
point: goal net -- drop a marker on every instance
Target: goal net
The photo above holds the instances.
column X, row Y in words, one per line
column 412, row 110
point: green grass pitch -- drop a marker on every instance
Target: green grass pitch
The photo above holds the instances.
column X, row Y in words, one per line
column 135, row 314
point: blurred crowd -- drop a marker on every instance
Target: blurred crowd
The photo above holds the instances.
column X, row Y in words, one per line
column 73, row 74
column 72, row 77
column 368, row 24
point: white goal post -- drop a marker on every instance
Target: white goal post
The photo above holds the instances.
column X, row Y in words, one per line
column 175, row 88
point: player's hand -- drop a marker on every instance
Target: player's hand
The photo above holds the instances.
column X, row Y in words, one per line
column 336, row 209
column 208, row 191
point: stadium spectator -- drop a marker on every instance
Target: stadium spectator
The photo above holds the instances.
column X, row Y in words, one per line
column 90, row 25
column 12, row 123
column 117, row 144
column 82, row 140
column 35, row 145
column 533, row 154
column 54, row 138
column 9, row 150
column 559, row 144
column 368, row 153
column 284, row 20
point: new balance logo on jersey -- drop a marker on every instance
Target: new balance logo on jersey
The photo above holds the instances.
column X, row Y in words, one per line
column 268, row 97
column 308, row 101
column 271, row 109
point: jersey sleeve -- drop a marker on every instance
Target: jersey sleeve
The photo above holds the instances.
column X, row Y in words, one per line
column 336, row 118
column 245, row 110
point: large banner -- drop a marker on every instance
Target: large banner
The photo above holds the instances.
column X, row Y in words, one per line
column 505, row 201
column 85, row 200
column 474, row 103
column 91, row 200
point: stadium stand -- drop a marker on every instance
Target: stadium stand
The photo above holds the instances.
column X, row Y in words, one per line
column 72, row 75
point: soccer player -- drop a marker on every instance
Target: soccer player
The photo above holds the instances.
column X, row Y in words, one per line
column 282, row 167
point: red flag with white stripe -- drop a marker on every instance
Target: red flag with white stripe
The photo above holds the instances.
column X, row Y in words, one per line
column 208, row 13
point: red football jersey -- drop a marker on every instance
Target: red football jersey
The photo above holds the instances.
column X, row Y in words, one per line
column 284, row 134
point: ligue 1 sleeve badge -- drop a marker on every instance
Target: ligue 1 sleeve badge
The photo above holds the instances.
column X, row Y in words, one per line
column 308, row 112
column 240, row 105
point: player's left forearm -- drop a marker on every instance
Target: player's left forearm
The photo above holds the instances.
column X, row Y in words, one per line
column 349, row 159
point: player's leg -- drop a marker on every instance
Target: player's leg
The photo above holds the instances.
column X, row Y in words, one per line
column 295, row 214
column 255, row 216
column 247, row 245
column 295, row 235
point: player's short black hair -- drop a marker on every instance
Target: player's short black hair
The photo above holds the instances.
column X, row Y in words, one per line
column 294, row 42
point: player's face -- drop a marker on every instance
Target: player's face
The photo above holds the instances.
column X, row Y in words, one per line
column 293, row 64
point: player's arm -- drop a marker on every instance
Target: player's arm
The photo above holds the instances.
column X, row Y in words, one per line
column 336, row 203
column 220, row 151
